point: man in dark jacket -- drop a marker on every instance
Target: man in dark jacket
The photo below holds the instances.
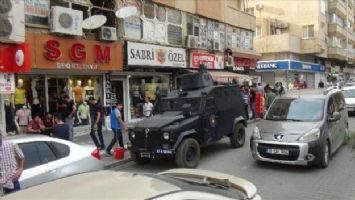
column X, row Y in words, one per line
column 60, row 129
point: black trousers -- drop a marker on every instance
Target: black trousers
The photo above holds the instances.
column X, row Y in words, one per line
column 246, row 111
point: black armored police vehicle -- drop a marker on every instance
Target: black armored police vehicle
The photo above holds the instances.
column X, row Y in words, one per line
column 198, row 114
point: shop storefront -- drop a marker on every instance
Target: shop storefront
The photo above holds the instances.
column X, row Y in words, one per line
column 14, row 58
column 151, row 72
column 77, row 67
column 294, row 74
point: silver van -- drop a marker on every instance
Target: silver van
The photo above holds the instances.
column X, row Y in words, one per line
column 301, row 129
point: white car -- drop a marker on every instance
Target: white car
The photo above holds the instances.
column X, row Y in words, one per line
column 48, row 159
column 349, row 95
column 169, row 185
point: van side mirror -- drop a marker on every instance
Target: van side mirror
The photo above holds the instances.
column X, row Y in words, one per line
column 336, row 117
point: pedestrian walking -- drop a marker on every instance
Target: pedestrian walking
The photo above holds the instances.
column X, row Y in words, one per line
column 252, row 100
column 147, row 107
column 96, row 123
column 117, row 126
column 281, row 89
column 270, row 97
column 245, row 96
column 259, row 88
column 69, row 114
column 11, row 165
column 60, row 129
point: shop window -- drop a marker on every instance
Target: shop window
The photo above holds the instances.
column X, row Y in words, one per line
column 149, row 30
column 258, row 31
column 308, row 31
column 203, row 33
column 192, row 25
column 149, row 86
column 108, row 4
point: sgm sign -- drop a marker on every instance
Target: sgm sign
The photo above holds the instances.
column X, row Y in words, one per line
column 77, row 52
column 155, row 55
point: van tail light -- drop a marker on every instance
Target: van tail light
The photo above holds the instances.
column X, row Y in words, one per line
column 96, row 154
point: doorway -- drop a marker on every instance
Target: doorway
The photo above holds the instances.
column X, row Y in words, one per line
column 117, row 94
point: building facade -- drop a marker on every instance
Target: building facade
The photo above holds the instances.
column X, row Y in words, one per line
column 124, row 59
column 316, row 32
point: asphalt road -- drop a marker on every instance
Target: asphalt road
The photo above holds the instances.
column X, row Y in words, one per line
column 274, row 182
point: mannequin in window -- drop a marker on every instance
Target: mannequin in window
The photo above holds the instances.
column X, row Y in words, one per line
column 20, row 95
column 69, row 89
column 89, row 90
column 78, row 92
column 22, row 118
column 83, row 114
column 9, row 117
column 36, row 106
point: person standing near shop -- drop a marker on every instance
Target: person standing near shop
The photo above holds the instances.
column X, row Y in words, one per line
column 11, row 165
column 60, row 129
column 96, row 123
column 245, row 96
column 147, row 107
column 69, row 114
column 252, row 99
column 117, row 126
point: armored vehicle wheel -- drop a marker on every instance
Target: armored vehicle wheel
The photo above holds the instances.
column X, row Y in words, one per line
column 188, row 154
column 139, row 160
column 237, row 138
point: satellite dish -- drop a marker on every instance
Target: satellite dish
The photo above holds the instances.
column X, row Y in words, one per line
column 126, row 11
column 94, row 22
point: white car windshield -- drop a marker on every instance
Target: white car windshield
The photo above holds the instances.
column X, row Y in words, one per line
column 349, row 93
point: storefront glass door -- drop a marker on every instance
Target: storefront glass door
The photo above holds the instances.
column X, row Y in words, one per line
column 55, row 87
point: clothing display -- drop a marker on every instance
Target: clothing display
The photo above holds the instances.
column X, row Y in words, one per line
column 23, row 116
column 113, row 99
column 9, row 118
column 78, row 94
column 84, row 113
column 34, row 92
column 89, row 92
column 19, row 96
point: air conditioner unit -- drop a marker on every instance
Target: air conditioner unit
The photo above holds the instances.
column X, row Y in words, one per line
column 12, row 21
column 259, row 6
column 108, row 33
column 192, row 41
column 66, row 20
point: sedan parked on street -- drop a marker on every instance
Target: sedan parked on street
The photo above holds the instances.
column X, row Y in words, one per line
column 301, row 129
column 349, row 95
column 48, row 158
column 168, row 185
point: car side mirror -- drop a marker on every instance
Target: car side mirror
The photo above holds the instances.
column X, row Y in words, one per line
column 186, row 110
column 336, row 117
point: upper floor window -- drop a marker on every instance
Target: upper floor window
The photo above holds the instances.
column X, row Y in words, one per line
column 308, row 31
column 322, row 7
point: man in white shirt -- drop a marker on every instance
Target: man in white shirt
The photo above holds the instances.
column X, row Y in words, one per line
column 147, row 107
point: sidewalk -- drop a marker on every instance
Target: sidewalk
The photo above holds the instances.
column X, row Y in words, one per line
column 110, row 161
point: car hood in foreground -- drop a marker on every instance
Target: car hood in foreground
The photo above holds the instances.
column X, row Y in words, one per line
column 291, row 130
column 241, row 184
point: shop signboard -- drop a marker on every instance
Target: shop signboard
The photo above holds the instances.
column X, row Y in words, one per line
column 272, row 65
column 303, row 66
column 108, row 99
column 15, row 58
column 53, row 52
column 139, row 54
column 37, row 12
column 7, row 83
column 211, row 61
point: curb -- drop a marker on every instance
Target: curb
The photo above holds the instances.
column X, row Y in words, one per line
column 118, row 163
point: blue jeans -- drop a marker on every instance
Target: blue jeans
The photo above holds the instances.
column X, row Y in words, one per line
column 98, row 144
column 16, row 188
column 117, row 135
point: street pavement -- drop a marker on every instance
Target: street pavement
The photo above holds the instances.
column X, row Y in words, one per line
column 273, row 181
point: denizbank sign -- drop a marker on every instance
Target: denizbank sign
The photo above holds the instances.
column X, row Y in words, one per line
column 293, row 65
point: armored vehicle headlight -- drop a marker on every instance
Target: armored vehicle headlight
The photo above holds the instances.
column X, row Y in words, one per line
column 166, row 135
column 133, row 134
column 256, row 133
column 310, row 136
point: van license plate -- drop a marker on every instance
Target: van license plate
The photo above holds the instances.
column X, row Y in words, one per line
column 145, row 155
column 278, row 151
